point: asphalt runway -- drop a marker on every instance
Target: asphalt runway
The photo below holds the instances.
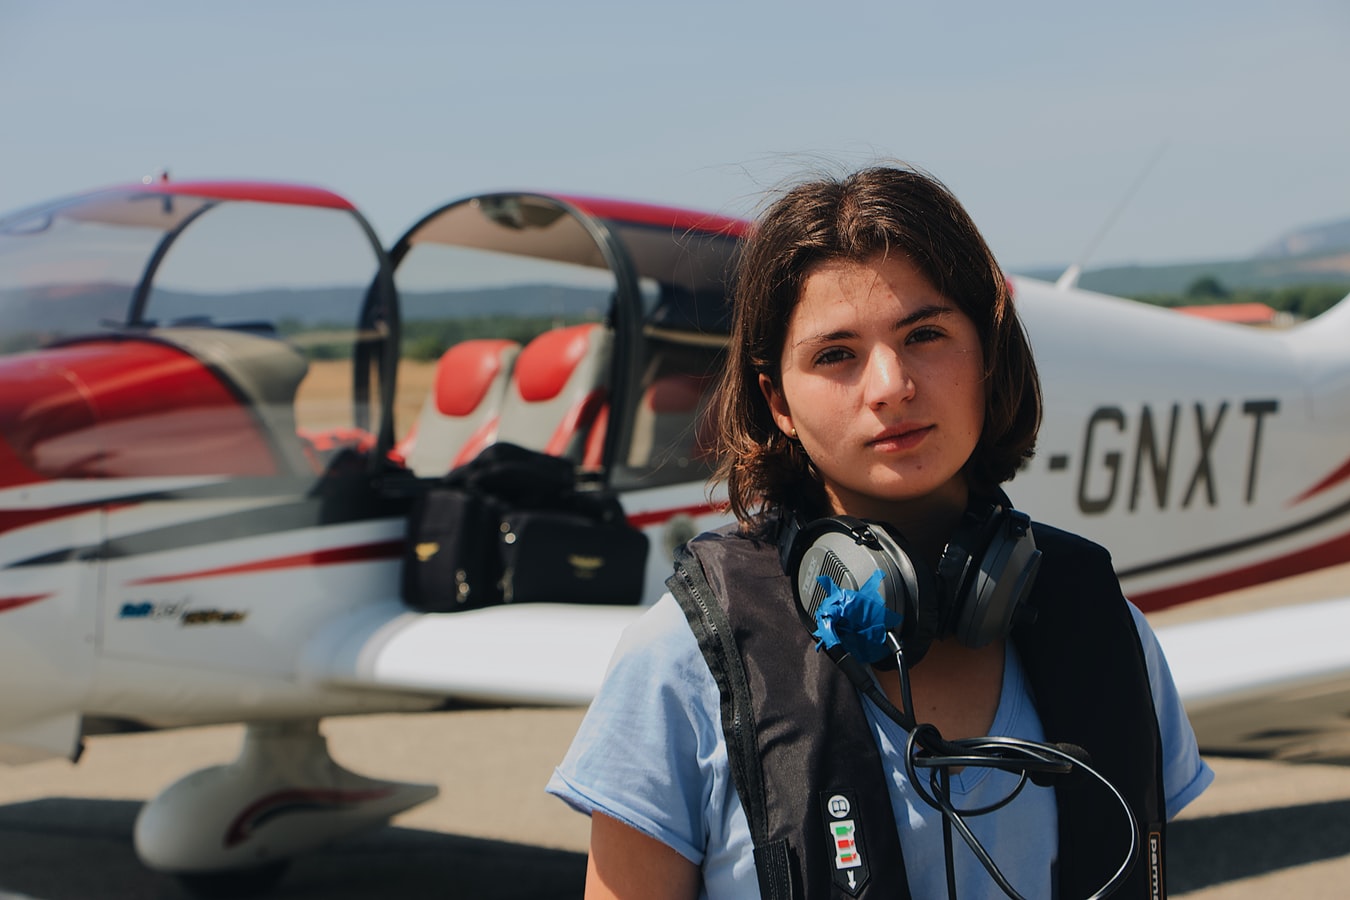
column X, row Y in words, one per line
column 1264, row 829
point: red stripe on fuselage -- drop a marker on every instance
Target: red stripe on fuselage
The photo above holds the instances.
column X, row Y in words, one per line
column 657, row 516
column 1330, row 553
column 329, row 557
column 8, row 603
column 1330, row 481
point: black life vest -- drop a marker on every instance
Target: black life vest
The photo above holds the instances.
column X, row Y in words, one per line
column 1082, row 658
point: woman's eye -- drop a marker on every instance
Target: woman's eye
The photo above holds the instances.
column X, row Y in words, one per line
column 832, row 355
column 924, row 334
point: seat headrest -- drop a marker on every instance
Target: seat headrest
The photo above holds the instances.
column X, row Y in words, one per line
column 548, row 361
column 466, row 372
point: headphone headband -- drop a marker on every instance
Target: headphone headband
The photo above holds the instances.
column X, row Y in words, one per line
column 980, row 586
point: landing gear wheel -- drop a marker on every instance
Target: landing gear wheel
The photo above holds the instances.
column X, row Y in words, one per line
column 228, row 884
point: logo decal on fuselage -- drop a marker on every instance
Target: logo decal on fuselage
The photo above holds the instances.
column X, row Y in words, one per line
column 177, row 610
column 152, row 610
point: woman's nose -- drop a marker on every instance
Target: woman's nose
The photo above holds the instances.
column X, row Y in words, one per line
column 886, row 379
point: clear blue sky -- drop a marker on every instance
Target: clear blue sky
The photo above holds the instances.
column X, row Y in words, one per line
column 1040, row 115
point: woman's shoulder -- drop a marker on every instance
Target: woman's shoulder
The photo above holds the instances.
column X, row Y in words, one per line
column 1057, row 542
column 659, row 653
column 752, row 533
column 661, row 633
column 1073, row 569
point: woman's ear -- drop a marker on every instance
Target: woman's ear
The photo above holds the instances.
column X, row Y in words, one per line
column 778, row 406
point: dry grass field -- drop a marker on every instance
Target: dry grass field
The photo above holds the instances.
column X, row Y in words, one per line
column 324, row 398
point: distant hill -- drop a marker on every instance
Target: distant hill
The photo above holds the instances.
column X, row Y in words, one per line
column 1313, row 255
column 1334, row 237
column 1133, row 281
column 82, row 307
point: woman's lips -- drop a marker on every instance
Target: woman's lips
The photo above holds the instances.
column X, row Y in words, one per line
column 902, row 438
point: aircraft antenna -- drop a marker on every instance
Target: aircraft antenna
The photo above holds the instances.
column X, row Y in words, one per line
column 1070, row 277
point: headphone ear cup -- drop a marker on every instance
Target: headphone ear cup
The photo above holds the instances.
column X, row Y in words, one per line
column 838, row 549
column 923, row 604
column 986, row 574
column 848, row 550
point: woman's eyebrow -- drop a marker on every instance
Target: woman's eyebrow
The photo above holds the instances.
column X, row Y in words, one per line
column 827, row 337
column 931, row 311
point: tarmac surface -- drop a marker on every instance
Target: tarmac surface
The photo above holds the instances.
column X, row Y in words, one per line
column 1264, row 829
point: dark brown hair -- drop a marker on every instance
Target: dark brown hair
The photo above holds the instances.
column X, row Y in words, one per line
column 878, row 210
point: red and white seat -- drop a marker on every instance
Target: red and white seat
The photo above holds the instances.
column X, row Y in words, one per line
column 460, row 414
column 558, row 398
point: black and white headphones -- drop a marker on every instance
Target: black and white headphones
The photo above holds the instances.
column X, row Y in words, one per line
column 977, row 593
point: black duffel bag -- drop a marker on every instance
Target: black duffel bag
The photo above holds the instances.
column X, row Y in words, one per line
column 511, row 526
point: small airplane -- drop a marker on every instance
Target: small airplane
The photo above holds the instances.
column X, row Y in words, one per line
column 220, row 403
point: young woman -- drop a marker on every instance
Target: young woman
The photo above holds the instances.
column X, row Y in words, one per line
column 877, row 371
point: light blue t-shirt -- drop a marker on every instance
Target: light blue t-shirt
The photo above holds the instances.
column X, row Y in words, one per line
column 650, row 753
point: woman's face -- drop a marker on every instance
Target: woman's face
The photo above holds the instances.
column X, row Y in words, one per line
column 882, row 382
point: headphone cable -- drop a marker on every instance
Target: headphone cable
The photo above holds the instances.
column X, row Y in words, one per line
column 1028, row 759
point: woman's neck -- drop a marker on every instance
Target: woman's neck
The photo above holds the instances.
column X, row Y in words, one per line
column 926, row 522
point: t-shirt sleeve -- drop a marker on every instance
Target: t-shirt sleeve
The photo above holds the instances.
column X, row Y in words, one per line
column 644, row 753
column 1185, row 774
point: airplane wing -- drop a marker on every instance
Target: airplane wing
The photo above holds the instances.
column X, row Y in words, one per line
column 1274, row 683
column 529, row 653
column 1270, row 683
